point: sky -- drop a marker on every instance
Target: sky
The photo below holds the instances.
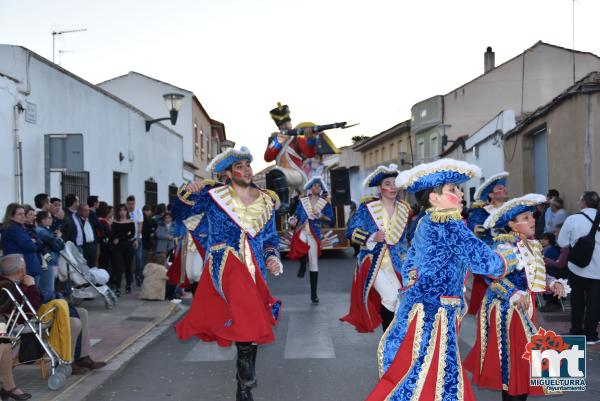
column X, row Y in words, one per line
column 364, row 62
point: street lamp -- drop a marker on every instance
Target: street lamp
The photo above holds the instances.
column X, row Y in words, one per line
column 173, row 102
column 445, row 139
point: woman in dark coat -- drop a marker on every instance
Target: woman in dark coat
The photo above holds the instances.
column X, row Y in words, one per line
column 121, row 235
column 16, row 239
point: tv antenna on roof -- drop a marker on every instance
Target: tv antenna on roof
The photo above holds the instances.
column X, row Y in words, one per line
column 55, row 33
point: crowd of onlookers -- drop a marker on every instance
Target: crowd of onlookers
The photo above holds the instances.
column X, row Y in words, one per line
column 120, row 239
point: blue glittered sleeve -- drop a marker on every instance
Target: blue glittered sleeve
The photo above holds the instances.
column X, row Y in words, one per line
column 407, row 270
column 300, row 214
column 271, row 240
column 328, row 212
column 480, row 258
column 358, row 228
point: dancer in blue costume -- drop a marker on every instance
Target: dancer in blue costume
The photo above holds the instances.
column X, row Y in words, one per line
column 418, row 355
column 379, row 226
column 232, row 301
column 312, row 212
column 488, row 197
column 506, row 319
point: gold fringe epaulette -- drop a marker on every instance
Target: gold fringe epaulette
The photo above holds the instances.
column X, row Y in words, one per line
column 511, row 238
column 367, row 199
column 477, row 205
column 445, row 215
column 408, row 207
column 183, row 194
column 273, row 195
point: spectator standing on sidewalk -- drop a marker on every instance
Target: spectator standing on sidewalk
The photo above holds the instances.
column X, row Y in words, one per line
column 58, row 214
column 585, row 282
column 89, row 247
column 165, row 235
column 53, row 244
column 30, row 220
column 555, row 215
column 93, row 203
column 556, row 266
column 148, row 234
column 122, row 236
column 71, row 227
column 136, row 215
column 42, row 202
column 103, row 236
column 16, row 239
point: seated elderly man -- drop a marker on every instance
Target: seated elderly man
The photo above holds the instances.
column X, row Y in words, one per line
column 12, row 267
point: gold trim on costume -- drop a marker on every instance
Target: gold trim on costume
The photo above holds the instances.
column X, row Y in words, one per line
column 444, row 215
column 417, row 310
column 441, row 369
column 428, row 356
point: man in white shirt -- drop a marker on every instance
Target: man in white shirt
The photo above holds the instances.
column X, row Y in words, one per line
column 585, row 282
column 89, row 237
column 136, row 215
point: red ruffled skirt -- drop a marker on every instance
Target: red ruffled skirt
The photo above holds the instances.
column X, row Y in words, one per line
column 365, row 318
column 246, row 314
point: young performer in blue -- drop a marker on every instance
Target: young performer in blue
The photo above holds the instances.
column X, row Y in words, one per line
column 379, row 226
column 232, row 302
column 489, row 196
column 418, row 354
column 506, row 321
column 312, row 211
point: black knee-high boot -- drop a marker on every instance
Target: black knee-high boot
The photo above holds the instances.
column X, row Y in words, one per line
column 314, row 278
column 246, row 375
column 386, row 317
column 508, row 397
column 302, row 269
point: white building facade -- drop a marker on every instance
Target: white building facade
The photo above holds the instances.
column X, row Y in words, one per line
column 76, row 137
column 485, row 148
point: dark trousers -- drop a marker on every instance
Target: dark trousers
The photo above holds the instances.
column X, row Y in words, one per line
column 122, row 260
column 104, row 257
column 90, row 252
column 585, row 306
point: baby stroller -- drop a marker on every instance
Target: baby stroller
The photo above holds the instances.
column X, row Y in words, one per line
column 85, row 282
column 21, row 320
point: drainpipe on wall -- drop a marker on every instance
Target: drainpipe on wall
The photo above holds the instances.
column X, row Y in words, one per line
column 17, row 110
column 587, row 151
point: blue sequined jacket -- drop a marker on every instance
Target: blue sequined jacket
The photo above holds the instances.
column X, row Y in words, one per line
column 212, row 204
column 367, row 220
column 477, row 217
column 433, row 273
column 304, row 212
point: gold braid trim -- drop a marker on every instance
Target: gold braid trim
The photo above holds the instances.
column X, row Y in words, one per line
column 367, row 199
column 183, row 194
column 511, row 238
column 444, row 215
column 478, row 205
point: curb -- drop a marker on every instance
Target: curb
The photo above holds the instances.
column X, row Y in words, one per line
column 87, row 383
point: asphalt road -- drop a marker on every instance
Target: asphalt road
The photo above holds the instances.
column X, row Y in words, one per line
column 316, row 357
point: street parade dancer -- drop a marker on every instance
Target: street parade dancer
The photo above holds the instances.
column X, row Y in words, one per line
column 312, row 212
column 418, row 354
column 232, row 301
column 488, row 197
column 379, row 226
column 506, row 318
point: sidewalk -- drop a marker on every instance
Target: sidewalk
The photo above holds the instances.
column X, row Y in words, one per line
column 111, row 332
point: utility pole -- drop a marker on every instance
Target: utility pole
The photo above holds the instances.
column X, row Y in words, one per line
column 55, row 33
